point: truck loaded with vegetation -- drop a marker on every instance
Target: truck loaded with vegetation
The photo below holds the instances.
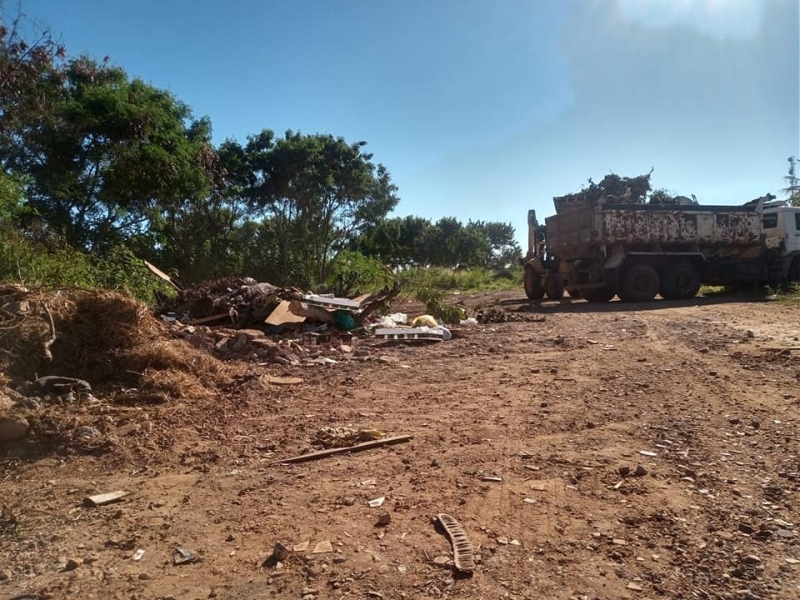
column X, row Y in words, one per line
column 616, row 238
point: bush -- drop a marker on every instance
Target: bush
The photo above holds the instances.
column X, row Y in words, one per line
column 465, row 280
column 47, row 262
column 352, row 274
column 430, row 286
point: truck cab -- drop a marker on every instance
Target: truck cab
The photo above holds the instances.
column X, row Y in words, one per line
column 782, row 226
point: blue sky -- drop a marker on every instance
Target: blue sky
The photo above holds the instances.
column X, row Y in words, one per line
column 482, row 109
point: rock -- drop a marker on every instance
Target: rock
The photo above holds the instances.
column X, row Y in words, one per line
column 144, row 576
column 751, row 559
column 253, row 334
column 87, row 432
column 384, row 520
column 624, row 471
column 635, row 587
column 27, row 404
column 6, row 575
column 745, row 528
column 502, row 540
column 72, row 564
column 55, row 384
column 240, row 343
column 13, row 427
column 442, row 561
column 337, row 560
column 640, row 471
column 280, row 552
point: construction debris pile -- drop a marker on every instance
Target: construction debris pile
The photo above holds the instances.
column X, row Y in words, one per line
column 239, row 303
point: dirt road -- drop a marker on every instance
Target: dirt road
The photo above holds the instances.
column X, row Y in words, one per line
column 605, row 452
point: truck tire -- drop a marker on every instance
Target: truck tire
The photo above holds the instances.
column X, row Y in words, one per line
column 640, row 283
column 598, row 295
column 553, row 286
column 680, row 281
column 794, row 271
column 533, row 284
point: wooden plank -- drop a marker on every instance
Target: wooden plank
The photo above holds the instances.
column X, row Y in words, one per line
column 398, row 439
column 210, row 319
column 283, row 316
column 160, row 274
column 102, row 499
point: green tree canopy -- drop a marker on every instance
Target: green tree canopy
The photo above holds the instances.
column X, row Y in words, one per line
column 314, row 192
column 102, row 156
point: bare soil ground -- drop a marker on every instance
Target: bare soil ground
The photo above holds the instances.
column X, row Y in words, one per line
column 521, row 431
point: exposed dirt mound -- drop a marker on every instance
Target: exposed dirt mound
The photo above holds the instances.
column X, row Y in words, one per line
column 103, row 337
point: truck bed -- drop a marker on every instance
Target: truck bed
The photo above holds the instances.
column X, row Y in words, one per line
column 577, row 229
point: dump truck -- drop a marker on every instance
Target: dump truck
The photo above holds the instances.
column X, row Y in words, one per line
column 604, row 249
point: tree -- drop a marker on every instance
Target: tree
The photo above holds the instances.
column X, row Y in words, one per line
column 102, row 156
column 315, row 193
column 24, row 64
column 792, row 189
column 503, row 248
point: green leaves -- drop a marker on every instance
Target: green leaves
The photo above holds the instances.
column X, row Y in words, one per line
column 313, row 192
column 414, row 241
column 101, row 153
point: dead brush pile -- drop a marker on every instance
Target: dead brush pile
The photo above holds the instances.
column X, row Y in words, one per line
column 106, row 338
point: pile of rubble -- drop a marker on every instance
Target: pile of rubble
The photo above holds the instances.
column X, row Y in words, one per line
column 306, row 348
column 242, row 303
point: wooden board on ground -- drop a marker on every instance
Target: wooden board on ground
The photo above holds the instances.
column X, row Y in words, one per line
column 277, row 380
column 398, row 439
column 211, row 319
column 282, row 316
column 102, row 499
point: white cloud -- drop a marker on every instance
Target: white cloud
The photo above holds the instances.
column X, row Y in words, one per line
column 721, row 19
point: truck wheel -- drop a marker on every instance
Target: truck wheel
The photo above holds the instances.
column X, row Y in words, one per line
column 680, row 281
column 640, row 283
column 553, row 286
column 533, row 284
column 598, row 295
column 794, row 271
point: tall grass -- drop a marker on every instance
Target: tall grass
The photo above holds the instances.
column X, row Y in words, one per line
column 462, row 280
column 37, row 263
